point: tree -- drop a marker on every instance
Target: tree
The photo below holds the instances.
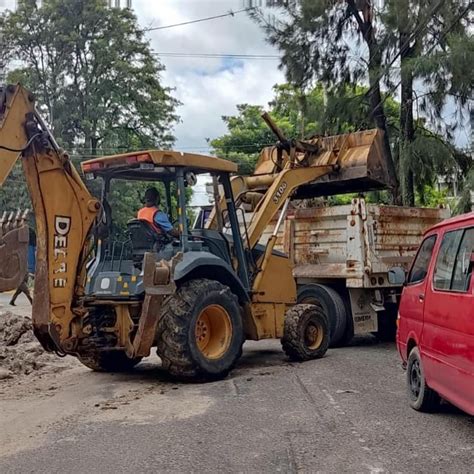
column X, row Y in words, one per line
column 97, row 83
column 336, row 43
column 93, row 72
column 330, row 113
column 317, row 112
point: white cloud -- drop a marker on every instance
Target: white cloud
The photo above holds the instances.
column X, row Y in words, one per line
column 212, row 88
column 207, row 88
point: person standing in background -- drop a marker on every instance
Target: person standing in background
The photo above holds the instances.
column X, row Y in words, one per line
column 23, row 288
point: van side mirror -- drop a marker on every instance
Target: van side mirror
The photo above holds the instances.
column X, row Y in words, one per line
column 396, row 276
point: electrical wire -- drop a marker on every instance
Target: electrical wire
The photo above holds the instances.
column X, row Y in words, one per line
column 270, row 57
column 199, row 20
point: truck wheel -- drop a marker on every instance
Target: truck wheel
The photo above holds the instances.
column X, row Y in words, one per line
column 333, row 306
column 422, row 397
column 200, row 334
column 113, row 361
column 306, row 332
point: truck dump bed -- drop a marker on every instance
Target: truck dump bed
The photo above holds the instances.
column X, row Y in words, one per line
column 357, row 242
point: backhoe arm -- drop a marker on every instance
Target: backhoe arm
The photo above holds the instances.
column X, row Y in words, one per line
column 64, row 213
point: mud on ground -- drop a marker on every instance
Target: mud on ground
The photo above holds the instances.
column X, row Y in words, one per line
column 20, row 352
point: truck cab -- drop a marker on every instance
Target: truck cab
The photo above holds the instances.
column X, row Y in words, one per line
column 435, row 335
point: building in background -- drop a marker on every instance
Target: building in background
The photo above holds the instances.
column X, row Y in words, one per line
column 120, row 3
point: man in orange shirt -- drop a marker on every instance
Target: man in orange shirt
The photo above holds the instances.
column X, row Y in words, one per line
column 153, row 215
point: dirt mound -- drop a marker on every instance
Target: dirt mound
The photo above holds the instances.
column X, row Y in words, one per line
column 20, row 352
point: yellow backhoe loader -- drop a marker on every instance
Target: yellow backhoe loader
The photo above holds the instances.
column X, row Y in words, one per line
column 196, row 298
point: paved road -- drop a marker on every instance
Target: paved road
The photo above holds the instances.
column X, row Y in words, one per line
column 344, row 413
column 22, row 307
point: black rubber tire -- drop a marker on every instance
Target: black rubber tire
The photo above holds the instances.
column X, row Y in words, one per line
column 113, row 361
column 421, row 397
column 348, row 334
column 333, row 306
column 294, row 340
column 176, row 336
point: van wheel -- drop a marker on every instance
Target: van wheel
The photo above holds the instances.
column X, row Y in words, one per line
column 306, row 332
column 422, row 397
column 335, row 309
column 200, row 334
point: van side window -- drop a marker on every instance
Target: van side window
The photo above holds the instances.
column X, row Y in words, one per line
column 462, row 268
column 444, row 268
column 422, row 261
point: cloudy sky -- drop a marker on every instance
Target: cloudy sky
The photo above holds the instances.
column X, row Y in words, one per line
column 209, row 88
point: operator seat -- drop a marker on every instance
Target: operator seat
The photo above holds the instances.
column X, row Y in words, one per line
column 144, row 238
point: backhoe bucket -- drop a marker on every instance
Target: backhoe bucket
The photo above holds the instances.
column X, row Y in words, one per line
column 13, row 250
column 359, row 159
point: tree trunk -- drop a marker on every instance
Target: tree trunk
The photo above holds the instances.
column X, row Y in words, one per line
column 407, row 129
column 380, row 119
column 375, row 97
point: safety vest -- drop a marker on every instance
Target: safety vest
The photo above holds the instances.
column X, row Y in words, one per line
column 148, row 214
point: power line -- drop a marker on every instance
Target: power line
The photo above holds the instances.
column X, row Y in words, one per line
column 199, row 20
column 270, row 57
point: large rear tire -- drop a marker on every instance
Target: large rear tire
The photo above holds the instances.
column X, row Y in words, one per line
column 333, row 305
column 306, row 332
column 200, row 334
column 113, row 361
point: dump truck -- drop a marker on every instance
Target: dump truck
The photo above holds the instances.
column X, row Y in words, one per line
column 353, row 259
column 195, row 295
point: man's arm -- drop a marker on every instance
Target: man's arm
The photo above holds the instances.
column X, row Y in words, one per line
column 163, row 222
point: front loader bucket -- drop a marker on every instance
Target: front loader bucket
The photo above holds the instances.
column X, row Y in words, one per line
column 361, row 163
column 13, row 250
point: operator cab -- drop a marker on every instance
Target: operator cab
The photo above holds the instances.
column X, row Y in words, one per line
column 116, row 268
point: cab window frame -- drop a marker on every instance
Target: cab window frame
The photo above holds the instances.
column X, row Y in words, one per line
column 462, row 231
column 433, row 237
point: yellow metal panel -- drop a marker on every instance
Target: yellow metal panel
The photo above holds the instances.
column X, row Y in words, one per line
column 12, row 132
column 166, row 159
column 269, row 319
column 276, row 283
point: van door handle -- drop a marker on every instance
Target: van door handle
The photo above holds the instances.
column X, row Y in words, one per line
column 421, row 297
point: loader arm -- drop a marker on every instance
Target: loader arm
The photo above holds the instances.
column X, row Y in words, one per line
column 64, row 213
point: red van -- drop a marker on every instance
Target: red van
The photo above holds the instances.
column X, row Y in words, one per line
column 435, row 334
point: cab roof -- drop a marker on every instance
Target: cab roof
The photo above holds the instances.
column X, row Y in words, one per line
column 155, row 164
column 460, row 221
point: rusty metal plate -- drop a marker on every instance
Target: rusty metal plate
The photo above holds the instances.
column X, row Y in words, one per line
column 13, row 250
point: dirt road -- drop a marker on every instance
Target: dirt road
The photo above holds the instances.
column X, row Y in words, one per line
column 344, row 413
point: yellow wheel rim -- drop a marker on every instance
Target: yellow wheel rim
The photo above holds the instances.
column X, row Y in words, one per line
column 213, row 331
column 313, row 336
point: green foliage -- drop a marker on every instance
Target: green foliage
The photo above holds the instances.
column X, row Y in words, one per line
column 431, row 197
column 298, row 115
column 400, row 43
column 14, row 192
column 96, row 80
column 466, row 204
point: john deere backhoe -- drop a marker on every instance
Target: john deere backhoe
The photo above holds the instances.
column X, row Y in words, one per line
column 196, row 297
